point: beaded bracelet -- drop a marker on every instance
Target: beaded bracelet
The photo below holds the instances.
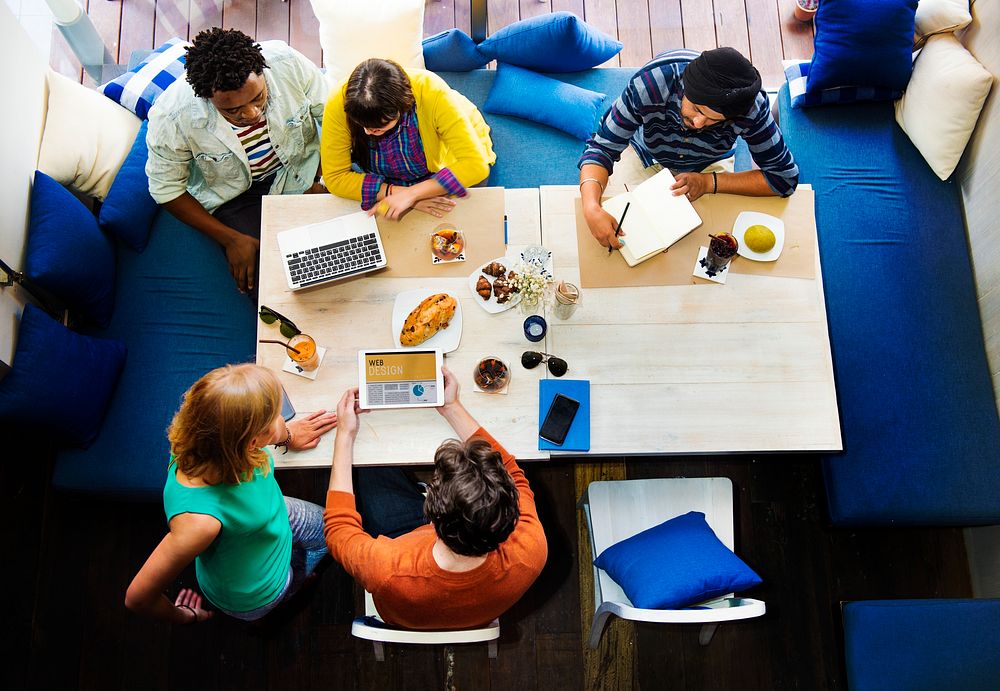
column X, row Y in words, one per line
column 284, row 444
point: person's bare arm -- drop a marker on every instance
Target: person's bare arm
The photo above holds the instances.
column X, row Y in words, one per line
column 190, row 535
column 241, row 250
column 602, row 224
column 453, row 411
column 749, row 183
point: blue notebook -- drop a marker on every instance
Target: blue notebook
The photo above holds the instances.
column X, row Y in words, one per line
column 578, row 438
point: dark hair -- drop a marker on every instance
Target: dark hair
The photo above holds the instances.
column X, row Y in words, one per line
column 221, row 60
column 472, row 500
column 377, row 91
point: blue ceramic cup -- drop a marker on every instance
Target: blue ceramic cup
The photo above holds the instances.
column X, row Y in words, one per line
column 534, row 328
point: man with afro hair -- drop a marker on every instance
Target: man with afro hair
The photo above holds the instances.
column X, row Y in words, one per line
column 244, row 123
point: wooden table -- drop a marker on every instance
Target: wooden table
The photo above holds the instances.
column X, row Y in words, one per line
column 740, row 367
column 354, row 314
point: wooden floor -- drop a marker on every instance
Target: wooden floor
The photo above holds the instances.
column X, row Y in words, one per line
column 68, row 563
column 763, row 30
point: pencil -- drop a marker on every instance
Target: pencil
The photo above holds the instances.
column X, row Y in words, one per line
column 618, row 229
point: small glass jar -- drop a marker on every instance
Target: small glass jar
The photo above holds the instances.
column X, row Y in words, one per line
column 567, row 300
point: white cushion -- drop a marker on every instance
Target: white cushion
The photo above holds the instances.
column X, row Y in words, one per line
column 86, row 137
column 941, row 16
column 351, row 31
column 940, row 107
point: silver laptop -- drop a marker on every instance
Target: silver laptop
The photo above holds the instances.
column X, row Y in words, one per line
column 331, row 250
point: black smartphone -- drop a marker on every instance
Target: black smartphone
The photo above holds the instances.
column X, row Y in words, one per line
column 559, row 419
column 287, row 409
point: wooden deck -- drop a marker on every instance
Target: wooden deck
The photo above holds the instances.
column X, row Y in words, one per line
column 763, row 30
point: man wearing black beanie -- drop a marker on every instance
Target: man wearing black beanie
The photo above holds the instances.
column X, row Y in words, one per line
column 684, row 111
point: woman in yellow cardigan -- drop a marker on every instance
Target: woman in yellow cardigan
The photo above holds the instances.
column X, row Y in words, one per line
column 417, row 140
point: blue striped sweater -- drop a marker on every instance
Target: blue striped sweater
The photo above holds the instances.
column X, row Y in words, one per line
column 648, row 114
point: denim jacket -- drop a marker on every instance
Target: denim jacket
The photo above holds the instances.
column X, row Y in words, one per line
column 192, row 148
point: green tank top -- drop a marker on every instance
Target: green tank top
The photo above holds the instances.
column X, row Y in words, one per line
column 246, row 566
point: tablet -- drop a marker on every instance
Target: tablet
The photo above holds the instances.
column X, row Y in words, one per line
column 409, row 378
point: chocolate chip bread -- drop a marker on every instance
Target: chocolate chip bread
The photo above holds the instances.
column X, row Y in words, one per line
column 427, row 318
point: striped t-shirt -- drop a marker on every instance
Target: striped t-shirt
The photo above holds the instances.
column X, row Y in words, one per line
column 256, row 140
column 648, row 115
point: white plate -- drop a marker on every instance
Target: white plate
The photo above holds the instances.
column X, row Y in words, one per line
column 752, row 218
column 445, row 340
column 491, row 305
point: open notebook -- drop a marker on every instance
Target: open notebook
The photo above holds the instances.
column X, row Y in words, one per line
column 656, row 219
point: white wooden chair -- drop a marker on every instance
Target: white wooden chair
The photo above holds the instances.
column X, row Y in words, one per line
column 371, row 628
column 618, row 510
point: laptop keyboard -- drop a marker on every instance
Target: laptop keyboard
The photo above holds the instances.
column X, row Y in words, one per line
column 333, row 261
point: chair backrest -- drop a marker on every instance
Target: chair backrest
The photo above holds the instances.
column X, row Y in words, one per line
column 371, row 627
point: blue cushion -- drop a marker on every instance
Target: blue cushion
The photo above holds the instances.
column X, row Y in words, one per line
column 128, row 210
column 863, row 43
column 797, row 76
column 922, row 644
column 67, row 253
column 61, row 381
column 532, row 96
column 675, row 564
column 180, row 314
column 918, row 418
column 556, row 42
column 138, row 88
column 512, row 136
column 452, row 51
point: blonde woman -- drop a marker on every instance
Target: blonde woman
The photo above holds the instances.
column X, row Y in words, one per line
column 252, row 546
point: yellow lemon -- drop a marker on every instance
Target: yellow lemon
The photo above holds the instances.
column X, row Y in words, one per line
column 759, row 238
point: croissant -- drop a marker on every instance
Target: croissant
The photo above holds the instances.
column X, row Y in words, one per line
column 502, row 289
column 495, row 269
column 484, row 288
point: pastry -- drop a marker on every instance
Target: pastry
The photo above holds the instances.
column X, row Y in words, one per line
column 447, row 244
column 495, row 269
column 502, row 289
column 427, row 318
column 484, row 288
column 510, row 279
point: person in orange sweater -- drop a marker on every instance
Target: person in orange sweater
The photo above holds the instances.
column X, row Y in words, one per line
column 484, row 545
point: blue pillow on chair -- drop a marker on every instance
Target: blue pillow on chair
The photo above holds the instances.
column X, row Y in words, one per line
column 534, row 97
column 67, row 253
column 557, row 42
column 128, row 210
column 61, row 382
column 677, row 563
column 863, row 43
column 797, row 75
column 452, row 51
column 138, row 88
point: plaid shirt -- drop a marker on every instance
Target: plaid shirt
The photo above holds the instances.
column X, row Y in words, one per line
column 648, row 115
column 398, row 158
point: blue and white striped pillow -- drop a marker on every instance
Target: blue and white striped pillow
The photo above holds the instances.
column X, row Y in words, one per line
column 797, row 75
column 139, row 87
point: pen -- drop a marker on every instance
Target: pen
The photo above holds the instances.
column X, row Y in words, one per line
column 505, row 229
column 618, row 229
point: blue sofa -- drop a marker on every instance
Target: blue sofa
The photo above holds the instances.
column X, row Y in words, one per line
column 180, row 316
column 917, row 645
column 920, row 427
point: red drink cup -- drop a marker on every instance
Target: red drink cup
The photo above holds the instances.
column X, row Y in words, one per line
column 721, row 251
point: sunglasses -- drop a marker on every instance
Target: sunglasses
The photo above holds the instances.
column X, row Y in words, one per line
column 531, row 358
column 269, row 316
